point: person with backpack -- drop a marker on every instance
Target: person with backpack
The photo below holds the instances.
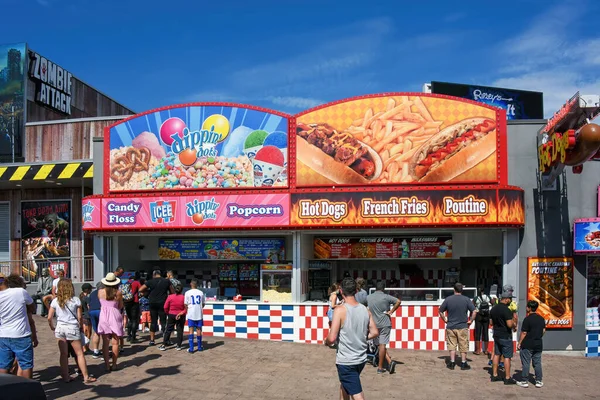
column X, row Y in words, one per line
column 482, row 321
column 130, row 291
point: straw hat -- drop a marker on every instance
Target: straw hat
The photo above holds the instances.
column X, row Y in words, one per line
column 111, row 280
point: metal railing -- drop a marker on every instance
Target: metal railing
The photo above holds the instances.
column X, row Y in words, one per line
column 79, row 269
column 426, row 294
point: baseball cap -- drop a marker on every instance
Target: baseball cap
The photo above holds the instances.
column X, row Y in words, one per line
column 508, row 288
column 86, row 286
column 506, row 295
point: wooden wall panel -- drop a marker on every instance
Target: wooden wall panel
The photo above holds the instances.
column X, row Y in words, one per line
column 62, row 141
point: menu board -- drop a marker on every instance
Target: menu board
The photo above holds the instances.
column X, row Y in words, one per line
column 221, row 249
column 384, row 247
column 248, row 272
column 228, row 272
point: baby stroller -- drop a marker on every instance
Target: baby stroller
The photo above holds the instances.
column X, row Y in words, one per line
column 372, row 353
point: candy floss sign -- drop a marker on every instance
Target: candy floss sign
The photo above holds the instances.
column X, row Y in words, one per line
column 198, row 147
column 186, row 212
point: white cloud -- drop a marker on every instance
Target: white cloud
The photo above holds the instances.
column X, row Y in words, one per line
column 549, row 57
column 454, row 17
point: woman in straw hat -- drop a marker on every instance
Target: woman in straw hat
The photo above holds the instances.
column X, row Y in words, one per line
column 67, row 308
column 110, row 324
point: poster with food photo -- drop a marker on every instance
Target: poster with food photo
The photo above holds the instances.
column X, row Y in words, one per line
column 412, row 139
column 586, row 235
column 198, row 147
column 45, row 234
column 550, row 283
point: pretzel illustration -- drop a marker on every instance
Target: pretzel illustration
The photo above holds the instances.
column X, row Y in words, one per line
column 134, row 160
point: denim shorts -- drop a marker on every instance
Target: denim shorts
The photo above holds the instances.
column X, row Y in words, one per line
column 503, row 347
column 350, row 377
column 94, row 319
column 19, row 348
column 195, row 324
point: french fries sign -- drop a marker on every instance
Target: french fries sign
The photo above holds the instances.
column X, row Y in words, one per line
column 412, row 139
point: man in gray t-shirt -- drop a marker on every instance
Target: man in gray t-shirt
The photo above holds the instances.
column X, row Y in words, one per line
column 454, row 312
column 379, row 304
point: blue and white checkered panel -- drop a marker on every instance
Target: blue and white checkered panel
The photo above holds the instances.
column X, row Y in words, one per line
column 252, row 321
column 592, row 344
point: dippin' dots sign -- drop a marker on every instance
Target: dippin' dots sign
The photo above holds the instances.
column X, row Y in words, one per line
column 201, row 210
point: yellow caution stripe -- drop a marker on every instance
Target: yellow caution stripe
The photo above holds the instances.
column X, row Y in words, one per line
column 50, row 171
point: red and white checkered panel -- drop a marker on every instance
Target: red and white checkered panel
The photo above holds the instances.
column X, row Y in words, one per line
column 311, row 323
column 413, row 327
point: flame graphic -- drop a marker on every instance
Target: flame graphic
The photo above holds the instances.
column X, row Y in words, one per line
column 505, row 212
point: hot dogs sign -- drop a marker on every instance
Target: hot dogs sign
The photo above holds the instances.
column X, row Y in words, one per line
column 376, row 140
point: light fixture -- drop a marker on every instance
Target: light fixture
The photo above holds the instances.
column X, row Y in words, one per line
column 59, row 183
column 48, row 181
column 18, row 185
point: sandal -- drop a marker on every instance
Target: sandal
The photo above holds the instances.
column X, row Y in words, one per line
column 90, row 379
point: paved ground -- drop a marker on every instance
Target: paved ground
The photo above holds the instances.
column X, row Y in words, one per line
column 249, row 369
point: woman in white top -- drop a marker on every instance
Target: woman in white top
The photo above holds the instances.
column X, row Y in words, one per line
column 67, row 308
column 334, row 300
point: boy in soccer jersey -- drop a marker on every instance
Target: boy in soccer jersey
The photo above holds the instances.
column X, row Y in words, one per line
column 194, row 301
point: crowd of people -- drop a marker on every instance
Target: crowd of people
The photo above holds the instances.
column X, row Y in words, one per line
column 98, row 320
column 356, row 318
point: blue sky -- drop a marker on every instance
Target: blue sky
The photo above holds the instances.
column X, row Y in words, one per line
column 294, row 54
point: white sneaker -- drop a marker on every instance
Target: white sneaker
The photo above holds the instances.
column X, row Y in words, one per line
column 539, row 384
column 523, row 384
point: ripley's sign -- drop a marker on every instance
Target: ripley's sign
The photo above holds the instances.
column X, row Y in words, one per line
column 54, row 84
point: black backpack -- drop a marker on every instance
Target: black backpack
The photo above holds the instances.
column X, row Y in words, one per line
column 484, row 307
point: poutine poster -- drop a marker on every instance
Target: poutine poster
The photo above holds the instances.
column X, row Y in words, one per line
column 198, row 147
column 407, row 208
column 550, row 283
column 412, row 139
column 45, row 234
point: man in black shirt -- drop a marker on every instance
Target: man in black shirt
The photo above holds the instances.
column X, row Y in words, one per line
column 159, row 289
column 502, row 318
column 531, row 344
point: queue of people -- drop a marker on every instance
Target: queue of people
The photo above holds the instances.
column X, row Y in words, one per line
column 96, row 320
column 499, row 314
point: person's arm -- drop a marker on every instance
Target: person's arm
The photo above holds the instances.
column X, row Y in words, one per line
column 336, row 324
column 396, row 303
column 333, row 300
column 171, row 288
column 524, row 330
column 182, row 313
column 143, row 288
column 80, row 315
column 472, row 313
column 120, row 300
column 51, row 317
column 442, row 312
column 510, row 321
column 373, row 331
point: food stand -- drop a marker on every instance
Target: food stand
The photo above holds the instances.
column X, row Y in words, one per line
column 351, row 188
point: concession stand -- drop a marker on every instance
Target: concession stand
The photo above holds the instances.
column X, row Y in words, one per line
column 267, row 210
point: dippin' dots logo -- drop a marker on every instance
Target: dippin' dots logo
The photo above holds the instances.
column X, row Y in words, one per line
column 199, row 211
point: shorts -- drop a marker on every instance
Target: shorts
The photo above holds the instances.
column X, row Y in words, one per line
column 95, row 318
column 67, row 332
column 503, row 347
column 350, row 377
column 384, row 336
column 19, row 348
column 195, row 324
column 457, row 339
column 330, row 314
column 145, row 317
